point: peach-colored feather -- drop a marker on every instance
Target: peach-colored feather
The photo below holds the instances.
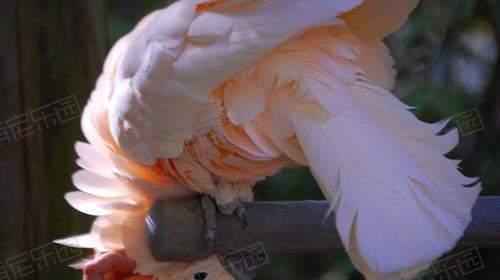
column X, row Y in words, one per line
column 229, row 5
column 213, row 96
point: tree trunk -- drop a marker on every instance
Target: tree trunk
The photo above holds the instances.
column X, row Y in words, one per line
column 51, row 52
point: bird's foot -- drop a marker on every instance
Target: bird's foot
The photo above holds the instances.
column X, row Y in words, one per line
column 236, row 208
column 209, row 209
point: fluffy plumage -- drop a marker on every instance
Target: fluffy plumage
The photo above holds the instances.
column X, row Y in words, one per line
column 213, row 96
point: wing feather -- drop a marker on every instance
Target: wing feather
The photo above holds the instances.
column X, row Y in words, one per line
column 164, row 83
column 382, row 169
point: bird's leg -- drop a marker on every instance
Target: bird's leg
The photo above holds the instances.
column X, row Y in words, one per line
column 241, row 213
column 236, row 208
column 209, row 209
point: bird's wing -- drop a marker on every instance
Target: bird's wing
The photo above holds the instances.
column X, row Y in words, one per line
column 154, row 94
column 162, row 89
column 290, row 72
column 119, row 191
column 399, row 202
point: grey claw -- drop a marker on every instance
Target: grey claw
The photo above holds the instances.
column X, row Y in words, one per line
column 235, row 208
column 241, row 213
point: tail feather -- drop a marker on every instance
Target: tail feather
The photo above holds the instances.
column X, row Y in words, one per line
column 374, row 182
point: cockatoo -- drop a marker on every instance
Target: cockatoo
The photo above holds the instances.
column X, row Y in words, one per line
column 211, row 96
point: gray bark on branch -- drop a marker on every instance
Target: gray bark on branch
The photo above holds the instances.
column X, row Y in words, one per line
column 175, row 229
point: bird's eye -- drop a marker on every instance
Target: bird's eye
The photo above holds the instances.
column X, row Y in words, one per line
column 200, row 276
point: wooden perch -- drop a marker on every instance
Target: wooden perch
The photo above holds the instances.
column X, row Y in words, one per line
column 175, row 228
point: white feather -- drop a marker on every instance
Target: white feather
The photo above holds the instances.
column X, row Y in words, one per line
column 167, row 74
column 87, row 241
column 97, row 206
column 97, row 185
column 373, row 183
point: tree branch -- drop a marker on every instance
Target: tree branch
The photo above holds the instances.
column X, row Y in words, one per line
column 175, row 228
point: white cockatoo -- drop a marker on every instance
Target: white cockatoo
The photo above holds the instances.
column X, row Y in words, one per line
column 211, row 96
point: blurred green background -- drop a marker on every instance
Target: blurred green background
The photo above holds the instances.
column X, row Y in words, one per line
column 446, row 55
